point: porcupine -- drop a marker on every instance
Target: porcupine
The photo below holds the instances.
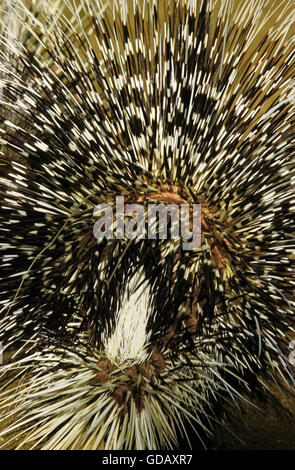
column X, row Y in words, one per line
column 127, row 344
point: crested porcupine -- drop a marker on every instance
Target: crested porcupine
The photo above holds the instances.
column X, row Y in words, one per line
column 132, row 343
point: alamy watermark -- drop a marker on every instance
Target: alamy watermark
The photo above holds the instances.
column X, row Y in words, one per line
column 149, row 221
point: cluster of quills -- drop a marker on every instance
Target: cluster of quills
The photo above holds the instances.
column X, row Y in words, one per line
column 133, row 344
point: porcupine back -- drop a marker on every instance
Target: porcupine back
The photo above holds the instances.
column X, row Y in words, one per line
column 181, row 102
